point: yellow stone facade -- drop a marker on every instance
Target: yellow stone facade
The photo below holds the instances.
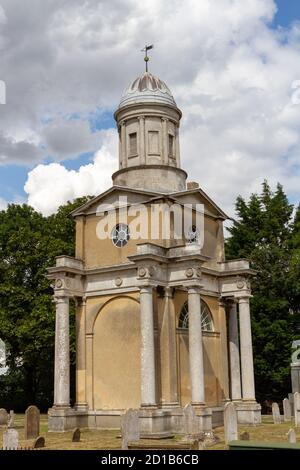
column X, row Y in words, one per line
column 132, row 348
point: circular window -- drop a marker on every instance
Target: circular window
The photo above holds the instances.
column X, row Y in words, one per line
column 193, row 235
column 206, row 317
column 120, row 235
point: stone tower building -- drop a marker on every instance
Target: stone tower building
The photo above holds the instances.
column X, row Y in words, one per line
column 162, row 318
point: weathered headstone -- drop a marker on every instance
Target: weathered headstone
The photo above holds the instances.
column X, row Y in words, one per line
column 3, row 417
column 287, row 413
column 190, row 422
column 76, row 435
column 245, row 436
column 230, row 423
column 276, row 413
column 292, row 439
column 10, row 439
column 130, row 427
column 297, row 408
column 11, row 419
column 39, row 442
column 32, row 422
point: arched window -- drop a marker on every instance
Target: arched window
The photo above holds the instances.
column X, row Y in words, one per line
column 206, row 317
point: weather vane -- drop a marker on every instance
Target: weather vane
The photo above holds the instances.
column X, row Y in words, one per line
column 146, row 58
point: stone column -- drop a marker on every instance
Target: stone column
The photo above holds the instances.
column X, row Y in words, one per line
column 246, row 350
column 234, row 355
column 62, row 354
column 165, row 152
column 147, row 347
column 196, row 346
column 123, row 145
column 177, row 146
column 142, row 141
column 81, row 402
column 168, row 352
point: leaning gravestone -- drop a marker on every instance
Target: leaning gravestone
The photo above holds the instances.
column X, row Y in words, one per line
column 297, row 408
column 230, row 423
column 287, row 413
column 3, row 417
column 76, row 435
column 190, row 422
column 39, row 442
column 276, row 413
column 11, row 439
column 32, row 422
column 130, row 427
column 292, row 439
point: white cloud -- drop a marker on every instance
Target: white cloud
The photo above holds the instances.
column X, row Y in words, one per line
column 3, row 204
column 231, row 75
column 49, row 186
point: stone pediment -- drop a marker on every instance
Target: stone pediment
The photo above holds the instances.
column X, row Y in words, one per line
column 112, row 196
column 198, row 196
column 138, row 196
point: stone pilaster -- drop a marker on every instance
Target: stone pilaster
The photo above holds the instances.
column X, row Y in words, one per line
column 248, row 387
column 123, row 145
column 62, row 354
column 147, row 348
column 142, row 149
column 168, row 352
column 234, row 354
column 81, row 402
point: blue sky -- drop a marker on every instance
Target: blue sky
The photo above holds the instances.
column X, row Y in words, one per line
column 288, row 11
column 232, row 79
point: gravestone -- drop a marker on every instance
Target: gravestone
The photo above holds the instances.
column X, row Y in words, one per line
column 76, row 435
column 292, row 439
column 230, row 423
column 10, row 439
column 287, row 413
column 11, row 419
column 39, row 443
column 276, row 413
column 190, row 422
column 130, row 427
column 32, row 422
column 297, row 408
column 245, row 436
column 3, row 417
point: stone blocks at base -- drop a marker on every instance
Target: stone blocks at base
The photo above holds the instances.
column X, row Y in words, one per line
column 248, row 413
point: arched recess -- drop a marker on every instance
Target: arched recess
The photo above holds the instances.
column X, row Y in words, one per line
column 116, row 355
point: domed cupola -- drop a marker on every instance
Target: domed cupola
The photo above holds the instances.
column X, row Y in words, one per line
column 148, row 123
column 147, row 89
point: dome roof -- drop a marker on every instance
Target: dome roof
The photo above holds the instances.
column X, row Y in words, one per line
column 147, row 89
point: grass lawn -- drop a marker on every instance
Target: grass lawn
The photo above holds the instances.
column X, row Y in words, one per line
column 95, row 440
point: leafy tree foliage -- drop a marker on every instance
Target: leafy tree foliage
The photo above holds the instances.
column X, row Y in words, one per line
column 29, row 244
column 266, row 233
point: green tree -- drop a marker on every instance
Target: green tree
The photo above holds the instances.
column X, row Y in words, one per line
column 262, row 233
column 29, row 244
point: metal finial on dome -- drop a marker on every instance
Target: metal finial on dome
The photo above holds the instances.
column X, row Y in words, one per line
column 146, row 58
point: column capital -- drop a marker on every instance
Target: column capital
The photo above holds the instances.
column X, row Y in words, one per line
column 169, row 292
column 61, row 299
column 194, row 289
column 140, row 118
column 148, row 289
column 244, row 299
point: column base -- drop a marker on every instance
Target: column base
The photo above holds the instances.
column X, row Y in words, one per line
column 248, row 412
column 61, row 419
column 155, row 423
column 204, row 419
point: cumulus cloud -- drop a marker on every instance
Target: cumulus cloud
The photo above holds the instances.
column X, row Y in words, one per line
column 3, row 204
column 49, row 186
column 230, row 72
